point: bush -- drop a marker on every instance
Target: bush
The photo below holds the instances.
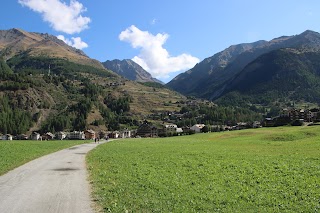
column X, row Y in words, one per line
column 297, row 123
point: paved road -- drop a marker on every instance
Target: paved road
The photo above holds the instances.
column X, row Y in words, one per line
column 53, row 183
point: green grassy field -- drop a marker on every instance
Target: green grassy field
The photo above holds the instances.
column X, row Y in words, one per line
column 16, row 153
column 263, row 170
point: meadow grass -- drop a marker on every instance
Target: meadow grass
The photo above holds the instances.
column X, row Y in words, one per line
column 17, row 153
column 262, row 170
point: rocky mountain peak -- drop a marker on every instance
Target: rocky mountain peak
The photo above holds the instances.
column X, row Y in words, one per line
column 310, row 33
column 130, row 70
column 311, row 36
column 17, row 31
column 212, row 72
column 16, row 41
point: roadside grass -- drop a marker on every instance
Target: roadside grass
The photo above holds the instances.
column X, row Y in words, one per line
column 262, row 170
column 17, row 153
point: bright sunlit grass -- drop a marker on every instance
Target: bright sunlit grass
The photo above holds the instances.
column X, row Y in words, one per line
column 263, row 170
column 16, row 153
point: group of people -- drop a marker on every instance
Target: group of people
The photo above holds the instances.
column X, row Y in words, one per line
column 97, row 139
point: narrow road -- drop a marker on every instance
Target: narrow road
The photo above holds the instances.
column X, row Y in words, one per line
column 53, row 183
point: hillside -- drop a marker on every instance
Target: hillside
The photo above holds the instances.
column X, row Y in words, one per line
column 285, row 75
column 210, row 78
column 43, row 89
column 15, row 42
column 47, row 85
column 130, row 70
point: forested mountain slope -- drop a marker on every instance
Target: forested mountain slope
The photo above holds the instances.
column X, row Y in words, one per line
column 46, row 85
column 210, row 78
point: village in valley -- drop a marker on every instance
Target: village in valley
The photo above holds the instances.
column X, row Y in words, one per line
column 167, row 127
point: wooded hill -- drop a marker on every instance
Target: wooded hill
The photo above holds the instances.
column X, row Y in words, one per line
column 46, row 85
column 272, row 73
column 73, row 97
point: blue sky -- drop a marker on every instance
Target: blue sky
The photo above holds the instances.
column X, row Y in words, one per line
column 166, row 37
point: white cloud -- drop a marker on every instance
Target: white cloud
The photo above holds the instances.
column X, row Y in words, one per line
column 153, row 57
column 62, row 17
column 74, row 42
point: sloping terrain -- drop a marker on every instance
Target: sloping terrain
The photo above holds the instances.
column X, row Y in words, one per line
column 209, row 79
column 130, row 70
column 19, row 42
column 45, row 85
column 285, row 75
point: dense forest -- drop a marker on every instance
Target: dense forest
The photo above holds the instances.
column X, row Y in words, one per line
column 31, row 65
column 214, row 115
column 281, row 76
column 33, row 73
column 13, row 120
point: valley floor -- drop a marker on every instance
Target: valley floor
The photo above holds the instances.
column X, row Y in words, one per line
column 261, row 170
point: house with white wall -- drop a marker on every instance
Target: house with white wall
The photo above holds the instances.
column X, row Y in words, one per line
column 197, row 127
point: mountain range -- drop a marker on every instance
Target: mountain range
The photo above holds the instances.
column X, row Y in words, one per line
column 46, row 85
column 19, row 42
column 286, row 66
column 130, row 70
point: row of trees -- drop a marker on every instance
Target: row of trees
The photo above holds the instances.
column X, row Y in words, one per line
column 13, row 120
column 216, row 115
column 119, row 105
column 74, row 118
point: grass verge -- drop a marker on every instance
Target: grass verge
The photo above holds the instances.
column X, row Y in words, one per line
column 264, row 170
column 17, row 153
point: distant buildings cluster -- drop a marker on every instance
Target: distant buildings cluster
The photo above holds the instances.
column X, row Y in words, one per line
column 287, row 116
column 144, row 130
column 293, row 116
column 78, row 135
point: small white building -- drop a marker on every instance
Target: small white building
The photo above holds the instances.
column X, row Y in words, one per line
column 7, row 137
column 179, row 130
column 256, row 124
column 197, row 127
column 125, row 133
column 114, row 134
column 76, row 135
column 61, row 135
column 171, row 127
column 35, row 136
